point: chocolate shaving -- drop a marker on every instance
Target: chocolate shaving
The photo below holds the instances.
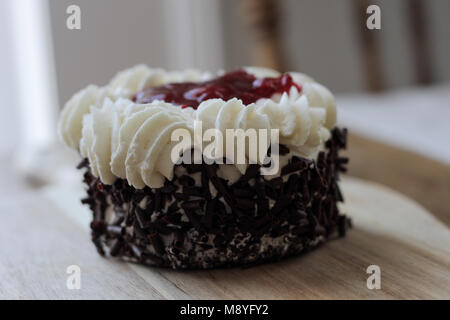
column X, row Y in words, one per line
column 116, row 246
column 196, row 230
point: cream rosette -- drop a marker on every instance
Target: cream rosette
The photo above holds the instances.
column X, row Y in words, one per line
column 122, row 139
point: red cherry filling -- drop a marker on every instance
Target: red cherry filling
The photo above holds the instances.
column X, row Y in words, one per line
column 237, row 84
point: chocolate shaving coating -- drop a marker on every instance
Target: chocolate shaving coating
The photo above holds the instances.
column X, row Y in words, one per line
column 254, row 220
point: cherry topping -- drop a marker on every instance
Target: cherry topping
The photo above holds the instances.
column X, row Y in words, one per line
column 237, row 84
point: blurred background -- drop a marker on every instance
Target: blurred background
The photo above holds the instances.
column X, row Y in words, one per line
column 392, row 85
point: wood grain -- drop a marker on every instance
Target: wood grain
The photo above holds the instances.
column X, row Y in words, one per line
column 48, row 231
column 425, row 180
column 263, row 20
column 39, row 242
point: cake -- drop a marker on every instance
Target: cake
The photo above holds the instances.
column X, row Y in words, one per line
column 151, row 208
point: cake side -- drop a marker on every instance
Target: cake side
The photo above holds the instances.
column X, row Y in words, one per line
column 199, row 220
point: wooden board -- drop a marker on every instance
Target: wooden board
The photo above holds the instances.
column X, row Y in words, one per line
column 43, row 233
column 421, row 178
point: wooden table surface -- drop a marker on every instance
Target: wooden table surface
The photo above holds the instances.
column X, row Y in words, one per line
column 409, row 246
column 423, row 180
column 420, row 178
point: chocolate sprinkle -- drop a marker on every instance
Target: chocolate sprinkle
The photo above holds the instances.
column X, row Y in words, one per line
column 182, row 225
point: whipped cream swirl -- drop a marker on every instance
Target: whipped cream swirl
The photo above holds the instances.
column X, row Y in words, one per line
column 122, row 139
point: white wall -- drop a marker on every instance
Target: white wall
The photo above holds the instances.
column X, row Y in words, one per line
column 28, row 102
column 320, row 38
column 115, row 35
column 8, row 105
column 118, row 34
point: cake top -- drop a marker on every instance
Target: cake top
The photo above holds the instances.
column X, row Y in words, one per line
column 124, row 128
column 237, row 84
